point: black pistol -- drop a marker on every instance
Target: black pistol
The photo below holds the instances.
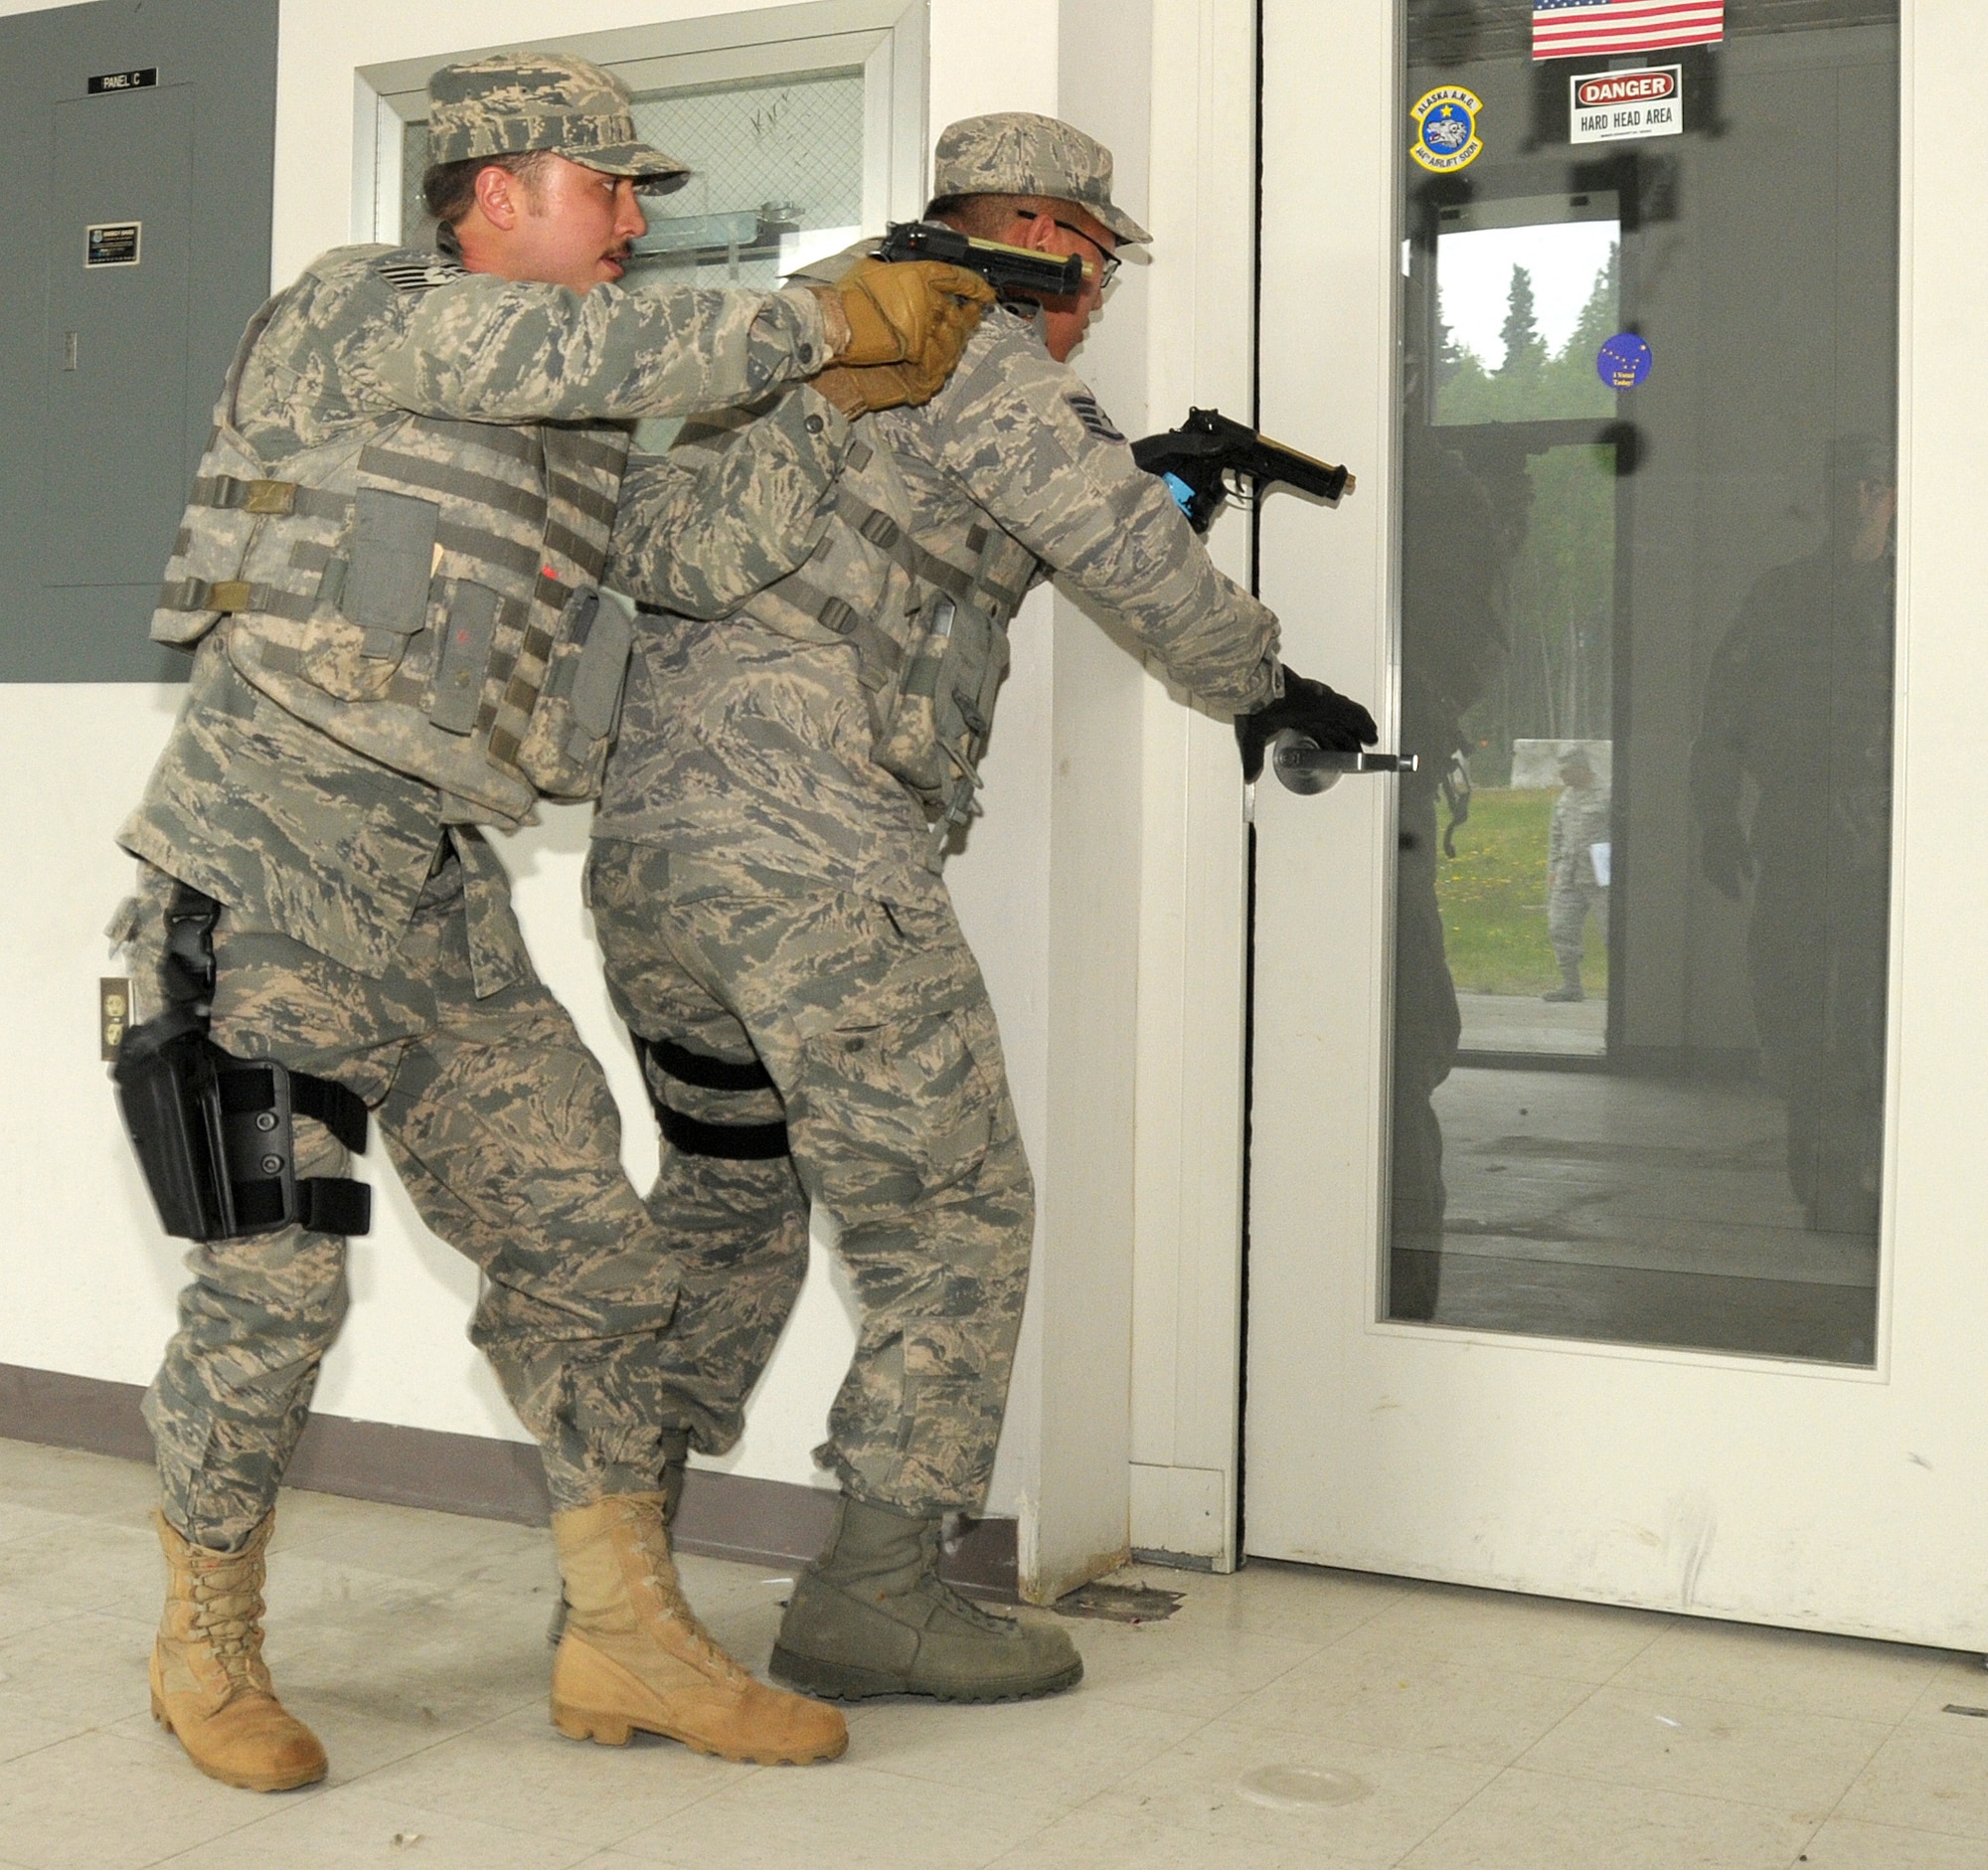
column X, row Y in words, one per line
column 1198, row 459
column 1005, row 268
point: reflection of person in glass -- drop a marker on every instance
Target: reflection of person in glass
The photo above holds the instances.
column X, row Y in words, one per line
column 1799, row 700
column 1454, row 644
column 1576, row 867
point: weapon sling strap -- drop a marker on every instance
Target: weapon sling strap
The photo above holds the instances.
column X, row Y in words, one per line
column 730, row 1143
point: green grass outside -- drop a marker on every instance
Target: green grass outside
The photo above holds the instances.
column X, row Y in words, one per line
column 1493, row 894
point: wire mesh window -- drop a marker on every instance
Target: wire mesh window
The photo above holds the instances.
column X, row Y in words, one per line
column 776, row 177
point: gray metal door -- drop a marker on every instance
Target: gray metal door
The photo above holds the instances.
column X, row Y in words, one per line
column 117, row 261
column 154, row 127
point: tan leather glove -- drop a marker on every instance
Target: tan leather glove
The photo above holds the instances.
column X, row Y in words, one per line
column 908, row 322
column 876, row 386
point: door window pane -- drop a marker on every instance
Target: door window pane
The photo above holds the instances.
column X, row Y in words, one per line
column 778, row 177
column 1647, row 590
column 1526, row 295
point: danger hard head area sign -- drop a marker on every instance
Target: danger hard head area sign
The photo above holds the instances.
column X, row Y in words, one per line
column 1614, row 87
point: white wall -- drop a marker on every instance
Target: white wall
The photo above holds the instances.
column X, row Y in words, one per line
column 88, row 1276
column 1101, row 892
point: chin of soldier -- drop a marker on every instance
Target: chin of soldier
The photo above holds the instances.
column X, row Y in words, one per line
column 1065, row 317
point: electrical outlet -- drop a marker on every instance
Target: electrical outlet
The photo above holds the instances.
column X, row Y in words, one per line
column 113, row 1014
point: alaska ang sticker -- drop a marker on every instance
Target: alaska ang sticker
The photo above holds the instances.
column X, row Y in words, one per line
column 1091, row 417
column 1626, row 360
column 1446, row 129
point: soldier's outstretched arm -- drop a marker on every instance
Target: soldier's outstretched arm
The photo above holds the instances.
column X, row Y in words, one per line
column 740, row 500
column 1028, row 441
column 478, row 348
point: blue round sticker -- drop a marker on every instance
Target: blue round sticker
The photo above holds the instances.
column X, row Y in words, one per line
column 1624, row 360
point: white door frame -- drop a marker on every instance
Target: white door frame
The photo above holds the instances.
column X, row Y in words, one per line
column 1187, row 1286
column 1854, row 1500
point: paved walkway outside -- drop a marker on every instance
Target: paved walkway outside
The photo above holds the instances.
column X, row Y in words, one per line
column 1509, row 1022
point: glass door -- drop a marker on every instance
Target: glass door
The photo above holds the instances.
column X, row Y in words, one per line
column 1648, row 485
column 1588, row 1251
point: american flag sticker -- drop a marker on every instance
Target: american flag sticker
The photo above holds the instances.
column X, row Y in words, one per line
column 1586, row 29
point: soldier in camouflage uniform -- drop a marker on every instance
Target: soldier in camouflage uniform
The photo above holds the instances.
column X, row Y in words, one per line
column 765, row 887
column 1574, row 885
column 389, row 566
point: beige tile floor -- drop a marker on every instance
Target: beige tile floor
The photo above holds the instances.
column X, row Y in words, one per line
column 1283, row 1717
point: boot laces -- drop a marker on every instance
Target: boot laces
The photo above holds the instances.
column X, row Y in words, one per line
column 948, row 1600
column 661, row 1579
column 965, row 1610
column 227, row 1620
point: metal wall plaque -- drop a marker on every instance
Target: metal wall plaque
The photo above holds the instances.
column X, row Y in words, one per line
column 112, row 244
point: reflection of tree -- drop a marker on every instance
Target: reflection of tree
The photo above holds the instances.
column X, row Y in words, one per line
column 1557, row 508
column 1525, row 349
column 1563, row 599
column 1533, row 384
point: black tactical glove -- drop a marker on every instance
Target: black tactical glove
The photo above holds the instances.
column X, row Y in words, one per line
column 1728, row 862
column 1321, row 713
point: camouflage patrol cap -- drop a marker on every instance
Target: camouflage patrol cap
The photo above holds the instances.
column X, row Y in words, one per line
column 519, row 102
column 1015, row 152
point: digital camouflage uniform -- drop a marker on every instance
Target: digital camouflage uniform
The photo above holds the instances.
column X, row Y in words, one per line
column 1574, row 888
column 764, row 889
column 366, row 933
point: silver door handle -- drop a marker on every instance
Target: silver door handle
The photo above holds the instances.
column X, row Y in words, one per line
column 1303, row 765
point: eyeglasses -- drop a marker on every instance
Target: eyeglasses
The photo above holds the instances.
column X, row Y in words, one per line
column 1110, row 260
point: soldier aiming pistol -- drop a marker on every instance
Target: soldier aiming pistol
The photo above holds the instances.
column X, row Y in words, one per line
column 1199, row 459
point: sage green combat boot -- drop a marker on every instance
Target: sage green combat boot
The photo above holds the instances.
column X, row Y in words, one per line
column 872, row 1617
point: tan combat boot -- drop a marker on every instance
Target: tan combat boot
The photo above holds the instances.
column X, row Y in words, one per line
column 633, row 1656
column 676, row 1463
column 210, row 1687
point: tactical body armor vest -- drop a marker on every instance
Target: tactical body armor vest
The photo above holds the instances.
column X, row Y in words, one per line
column 930, row 627
column 425, row 592
column 928, row 616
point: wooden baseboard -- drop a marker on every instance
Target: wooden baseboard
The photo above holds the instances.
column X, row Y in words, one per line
column 730, row 1517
